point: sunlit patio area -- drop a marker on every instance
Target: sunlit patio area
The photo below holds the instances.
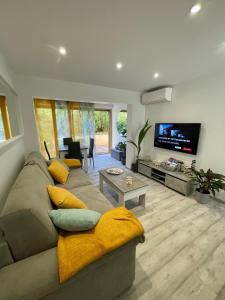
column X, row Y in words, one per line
column 102, row 142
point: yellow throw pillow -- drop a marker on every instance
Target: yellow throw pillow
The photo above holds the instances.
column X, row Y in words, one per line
column 58, row 171
column 72, row 163
column 63, row 198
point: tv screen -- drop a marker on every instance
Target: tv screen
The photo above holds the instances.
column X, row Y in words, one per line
column 182, row 137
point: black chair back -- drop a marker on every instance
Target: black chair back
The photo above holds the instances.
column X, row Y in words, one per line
column 46, row 149
column 91, row 147
column 74, row 150
column 67, row 141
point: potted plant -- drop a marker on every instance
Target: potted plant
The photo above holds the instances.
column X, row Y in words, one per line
column 137, row 145
column 123, row 155
column 207, row 182
column 122, row 147
column 124, row 133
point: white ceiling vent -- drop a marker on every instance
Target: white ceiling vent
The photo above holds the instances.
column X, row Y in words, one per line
column 156, row 96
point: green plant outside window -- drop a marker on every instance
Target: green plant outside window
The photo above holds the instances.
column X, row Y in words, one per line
column 122, row 122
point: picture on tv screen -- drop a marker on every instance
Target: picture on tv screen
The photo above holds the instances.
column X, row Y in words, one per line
column 182, row 137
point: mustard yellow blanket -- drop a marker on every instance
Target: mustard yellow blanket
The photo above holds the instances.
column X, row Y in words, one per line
column 77, row 250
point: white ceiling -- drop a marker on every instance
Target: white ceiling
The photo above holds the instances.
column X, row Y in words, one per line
column 147, row 36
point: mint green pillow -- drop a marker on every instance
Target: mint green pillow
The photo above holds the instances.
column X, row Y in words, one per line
column 74, row 219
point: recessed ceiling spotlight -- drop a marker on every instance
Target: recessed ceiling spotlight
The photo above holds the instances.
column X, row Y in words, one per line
column 195, row 9
column 156, row 75
column 62, row 51
column 119, row 66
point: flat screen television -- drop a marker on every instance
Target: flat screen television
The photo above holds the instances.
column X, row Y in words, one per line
column 182, row 137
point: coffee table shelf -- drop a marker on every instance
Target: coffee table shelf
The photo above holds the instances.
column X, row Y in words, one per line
column 124, row 191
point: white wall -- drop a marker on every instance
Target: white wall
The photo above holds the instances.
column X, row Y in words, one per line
column 11, row 151
column 11, row 162
column 7, row 88
column 13, row 109
column 30, row 87
column 201, row 100
column 135, row 120
column 6, row 74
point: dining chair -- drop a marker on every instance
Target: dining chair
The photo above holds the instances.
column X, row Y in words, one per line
column 91, row 151
column 74, row 151
column 67, row 141
column 46, row 149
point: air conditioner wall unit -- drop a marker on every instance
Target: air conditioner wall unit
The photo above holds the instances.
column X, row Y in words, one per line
column 156, row 96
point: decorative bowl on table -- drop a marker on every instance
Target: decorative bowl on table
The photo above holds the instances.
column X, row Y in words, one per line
column 115, row 171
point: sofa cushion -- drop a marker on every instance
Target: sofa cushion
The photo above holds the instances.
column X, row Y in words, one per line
column 38, row 159
column 76, row 178
column 5, row 254
column 93, row 198
column 60, row 160
column 29, row 192
column 63, row 198
column 74, row 219
column 72, row 162
column 58, row 171
column 24, row 234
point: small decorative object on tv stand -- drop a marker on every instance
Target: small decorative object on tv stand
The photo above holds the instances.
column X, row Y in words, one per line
column 177, row 181
column 172, row 164
column 157, row 163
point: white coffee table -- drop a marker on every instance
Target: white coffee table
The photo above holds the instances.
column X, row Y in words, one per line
column 124, row 191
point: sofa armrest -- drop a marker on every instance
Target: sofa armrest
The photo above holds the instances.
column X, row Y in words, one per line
column 30, row 278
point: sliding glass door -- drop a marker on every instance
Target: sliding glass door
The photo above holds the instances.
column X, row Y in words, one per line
column 103, row 136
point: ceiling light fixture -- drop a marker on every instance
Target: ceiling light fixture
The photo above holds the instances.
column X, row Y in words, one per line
column 119, row 66
column 195, row 9
column 62, row 51
column 156, row 75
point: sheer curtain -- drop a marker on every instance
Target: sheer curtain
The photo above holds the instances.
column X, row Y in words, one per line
column 74, row 113
column 87, row 120
column 62, row 121
column 46, row 125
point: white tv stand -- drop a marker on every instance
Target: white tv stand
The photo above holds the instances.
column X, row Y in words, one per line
column 177, row 181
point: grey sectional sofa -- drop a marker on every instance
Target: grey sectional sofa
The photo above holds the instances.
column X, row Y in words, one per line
column 28, row 243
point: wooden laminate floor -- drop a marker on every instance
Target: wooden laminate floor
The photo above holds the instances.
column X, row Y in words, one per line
column 183, row 257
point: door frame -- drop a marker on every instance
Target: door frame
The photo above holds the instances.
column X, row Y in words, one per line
column 110, row 126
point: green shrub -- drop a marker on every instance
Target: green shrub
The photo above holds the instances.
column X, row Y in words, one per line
column 122, row 122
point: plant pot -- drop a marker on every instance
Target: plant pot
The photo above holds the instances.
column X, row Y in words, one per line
column 202, row 198
column 123, row 157
column 134, row 166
